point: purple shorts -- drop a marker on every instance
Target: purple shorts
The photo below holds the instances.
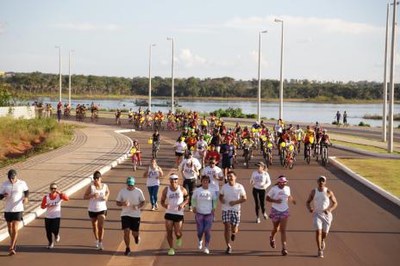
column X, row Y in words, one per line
column 277, row 216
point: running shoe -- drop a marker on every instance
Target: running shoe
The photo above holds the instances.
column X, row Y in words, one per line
column 156, row 206
column 323, row 245
column 233, row 237
column 171, row 252
column 190, row 209
column 178, row 242
column 265, row 216
column 284, row 252
column 100, row 246
column 200, row 244
column 97, row 244
column 137, row 240
column 51, row 245
column 258, row 220
column 58, row 238
column 320, row 254
column 206, row 250
column 127, row 252
column 153, row 208
column 12, row 252
column 272, row 242
column 228, row 250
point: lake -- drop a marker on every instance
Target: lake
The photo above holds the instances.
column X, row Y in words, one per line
column 292, row 111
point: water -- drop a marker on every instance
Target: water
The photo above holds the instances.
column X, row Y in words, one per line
column 292, row 111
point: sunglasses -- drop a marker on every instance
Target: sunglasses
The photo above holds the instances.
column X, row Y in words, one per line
column 53, row 188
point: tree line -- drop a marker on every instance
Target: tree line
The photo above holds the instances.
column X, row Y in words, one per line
column 43, row 83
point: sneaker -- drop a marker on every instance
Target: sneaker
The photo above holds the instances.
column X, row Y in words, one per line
column 153, row 208
column 97, row 244
column 178, row 242
column 323, row 245
column 100, row 246
column 272, row 242
column 320, row 254
column 200, row 244
column 12, row 252
column 228, row 250
column 265, row 216
column 58, row 238
column 156, row 206
column 233, row 237
column 137, row 240
column 258, row 220
column 51, row 245
column 171, row 252
column 206, row 250
column 284, row 252
column 190, row 209
column 127, row 252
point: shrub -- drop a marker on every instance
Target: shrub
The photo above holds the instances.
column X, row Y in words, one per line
column 363, row 124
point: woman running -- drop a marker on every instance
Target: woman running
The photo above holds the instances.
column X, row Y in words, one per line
column 153, row 175
column 260, row 181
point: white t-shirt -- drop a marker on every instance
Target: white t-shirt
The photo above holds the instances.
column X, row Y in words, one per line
column 276, row 193
column 232, row 193
column 204, row 200
column 211, row 172
column 133, row 197
column 98, row 204
column 180, row 147
column 15, row 191
column 260, row 180
column 190, row 168
column 153, row 177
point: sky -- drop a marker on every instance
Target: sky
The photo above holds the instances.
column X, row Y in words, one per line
column 324, row 40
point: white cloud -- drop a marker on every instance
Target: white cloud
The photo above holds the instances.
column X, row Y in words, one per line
column 188, row 59
column 325, row 24
column 87, row 27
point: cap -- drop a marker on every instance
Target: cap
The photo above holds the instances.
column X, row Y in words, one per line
column 282, row 179
column 130, row 181
column 322, row 177
column 260, row 164
column 173, row 176
column 11, row 173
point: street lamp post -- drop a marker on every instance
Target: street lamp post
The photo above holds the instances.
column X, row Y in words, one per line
column 59, row 69
column 281, row 72
column 392, row 65
column 151, row 45
column 69, row 80
column 259, row 75
column 384, row 111
column 172, row 75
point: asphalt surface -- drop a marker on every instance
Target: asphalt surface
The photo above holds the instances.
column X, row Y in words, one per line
column 365, row 231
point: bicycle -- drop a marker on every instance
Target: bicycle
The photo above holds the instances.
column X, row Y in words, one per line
column 317, row 151
column 282, row 152
column 155, row 148
column 247, row 156
column 307, row 153
column 289, row 158
column 267, row 153
column 324, row 154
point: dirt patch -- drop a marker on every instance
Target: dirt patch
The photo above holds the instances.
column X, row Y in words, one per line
column 14, row 150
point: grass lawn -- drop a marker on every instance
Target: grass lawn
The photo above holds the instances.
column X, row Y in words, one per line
column 382, row 172
column 362, row 147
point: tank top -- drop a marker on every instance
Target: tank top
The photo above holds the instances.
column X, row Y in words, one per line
column 98, row 204
column 54, row 207
column 321, row 200
column 175, row 198
column 153, row 177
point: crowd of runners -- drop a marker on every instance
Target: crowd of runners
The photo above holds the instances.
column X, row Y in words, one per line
column 206, row 152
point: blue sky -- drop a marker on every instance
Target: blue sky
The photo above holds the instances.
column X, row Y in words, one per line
column 325, row 40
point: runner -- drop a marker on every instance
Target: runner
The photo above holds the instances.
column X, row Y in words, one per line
column 180, row 148
column 324, row 202
column 204, row 202
column 97, row 194
column 52, row 203
column 215, row 174
column 190, row 168
column 153, row 175
column 15, row 192
column 260, row 180
column 228, row 152
column 174, row 199
column 280, row 196
column 232, row 195
column 131, row 200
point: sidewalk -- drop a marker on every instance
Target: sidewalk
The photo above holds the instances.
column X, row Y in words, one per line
column 94, row 147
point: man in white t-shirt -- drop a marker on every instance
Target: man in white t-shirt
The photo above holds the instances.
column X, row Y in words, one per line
column 231, row 195
column 190, row 168
column 15, row 192
column 131, row 199
column 215, row 174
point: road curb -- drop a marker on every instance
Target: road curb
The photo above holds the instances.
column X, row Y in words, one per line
column 365, row 181
column 35, row 213
column 359, row 151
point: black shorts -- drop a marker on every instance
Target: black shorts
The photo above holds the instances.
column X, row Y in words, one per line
column 173, row 217
column 133, row 223
column 178, row 154
column 226, row 163
column 13, row 216
column 95, row 214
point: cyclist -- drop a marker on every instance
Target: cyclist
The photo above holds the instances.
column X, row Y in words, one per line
column 299, row 136
column 308, row 139
column 325, row 140
column 156, row 142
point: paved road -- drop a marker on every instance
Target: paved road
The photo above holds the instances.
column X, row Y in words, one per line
column 365, row 231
